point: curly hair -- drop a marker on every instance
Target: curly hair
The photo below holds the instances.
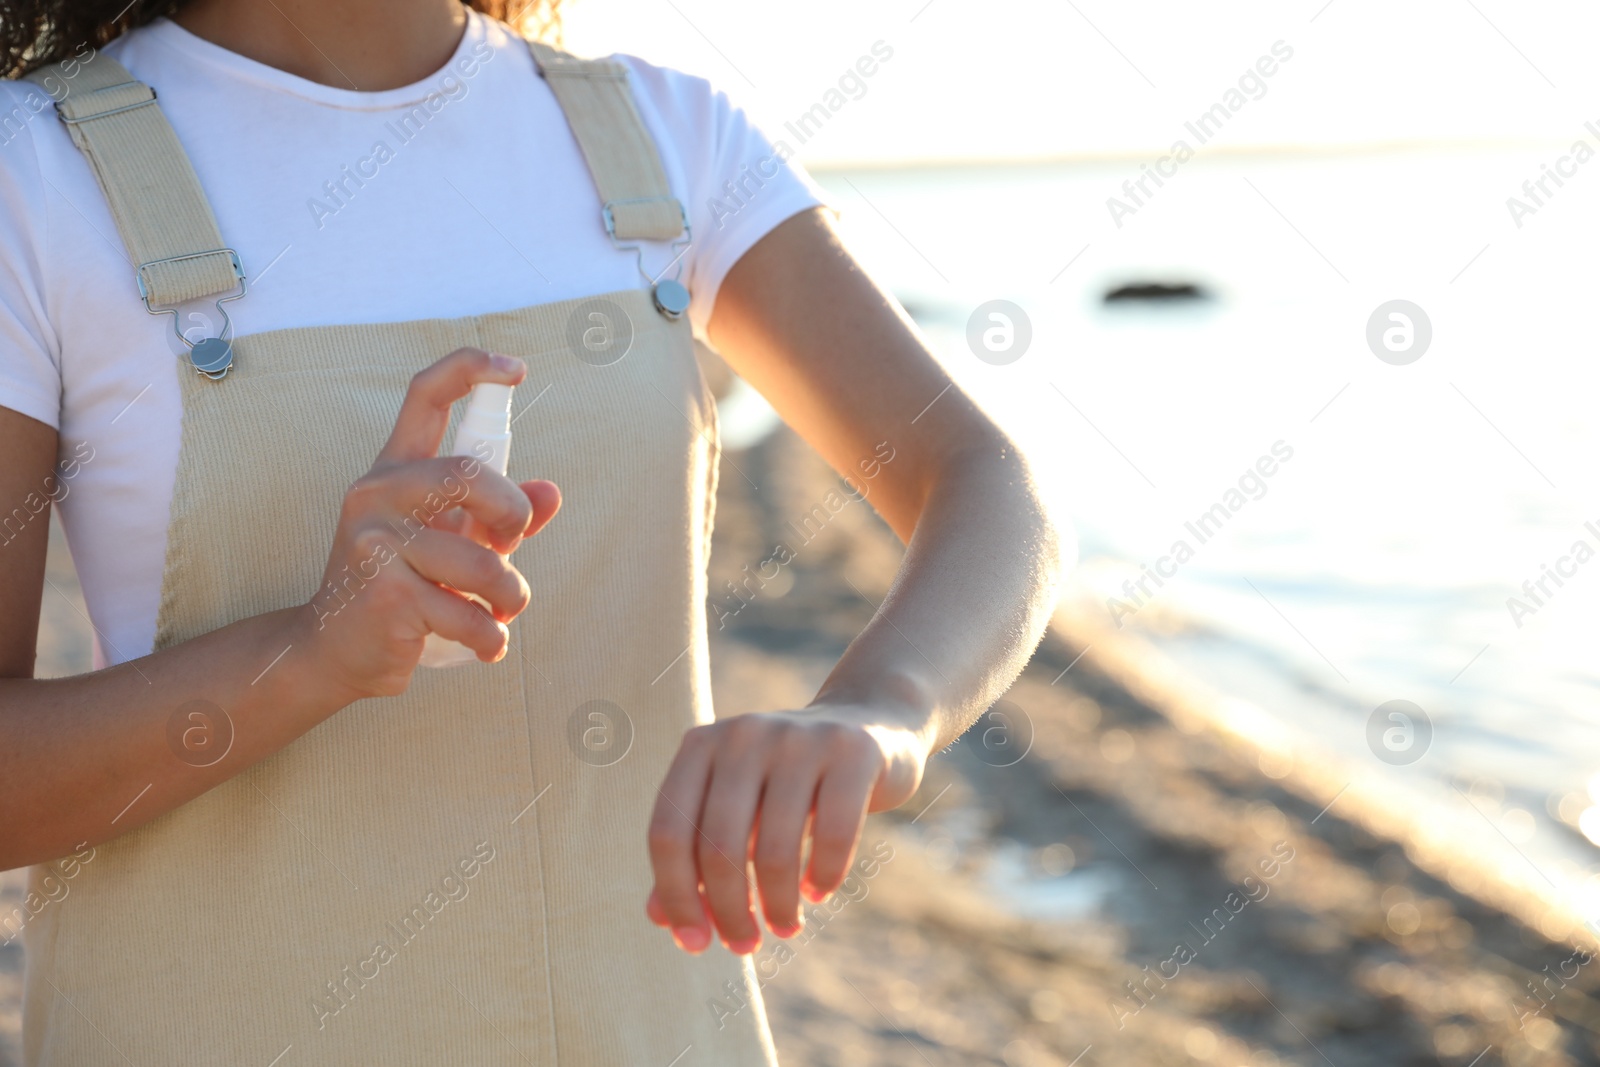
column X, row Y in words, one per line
column 34, row 33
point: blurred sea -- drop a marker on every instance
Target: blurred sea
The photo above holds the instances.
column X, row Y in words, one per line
column 1374, row 564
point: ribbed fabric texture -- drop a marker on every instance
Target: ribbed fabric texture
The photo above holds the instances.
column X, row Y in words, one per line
column 627, row 170
column 303, row 909
column 148, row 181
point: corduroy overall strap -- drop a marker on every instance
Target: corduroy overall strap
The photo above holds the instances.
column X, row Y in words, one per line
column 165, row 219
column 621, row 154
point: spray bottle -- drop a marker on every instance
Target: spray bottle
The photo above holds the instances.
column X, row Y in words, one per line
column 485, row 435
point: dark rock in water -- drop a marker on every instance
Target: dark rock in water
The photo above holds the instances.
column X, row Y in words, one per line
column 919, row 312
column 1156, row 293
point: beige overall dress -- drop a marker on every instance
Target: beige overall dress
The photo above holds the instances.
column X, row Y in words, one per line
column 456, row 875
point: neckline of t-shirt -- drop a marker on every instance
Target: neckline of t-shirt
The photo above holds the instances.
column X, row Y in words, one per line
column 170, row 35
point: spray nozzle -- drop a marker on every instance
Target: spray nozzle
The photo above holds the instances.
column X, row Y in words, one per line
column 489, row 399
column 488, row 416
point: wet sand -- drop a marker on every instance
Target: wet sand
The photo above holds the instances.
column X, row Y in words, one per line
column 1134, row 890
column 1033, row 913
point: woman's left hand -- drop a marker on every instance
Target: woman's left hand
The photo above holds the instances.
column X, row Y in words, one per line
column 745, row 791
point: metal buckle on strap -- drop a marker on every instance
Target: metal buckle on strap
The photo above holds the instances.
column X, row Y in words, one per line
column 609, row 216
column 669, row 295
column 211, row 356
column 102, row 114
column 238, row 272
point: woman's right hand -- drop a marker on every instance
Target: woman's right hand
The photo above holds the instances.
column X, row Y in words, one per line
column 397, row 554
column 105, row 739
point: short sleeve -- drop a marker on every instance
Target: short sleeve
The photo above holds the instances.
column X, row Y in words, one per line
column 739, row 183
column 30, row 373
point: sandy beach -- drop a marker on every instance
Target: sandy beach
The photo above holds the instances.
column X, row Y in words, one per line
column 1129, row 829
column 1105, row 877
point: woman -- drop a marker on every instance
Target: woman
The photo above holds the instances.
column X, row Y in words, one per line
column 243, row 280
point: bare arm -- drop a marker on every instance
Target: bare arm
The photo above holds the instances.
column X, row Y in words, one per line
column 972, row 597
column 842, row 364
column 85, row 759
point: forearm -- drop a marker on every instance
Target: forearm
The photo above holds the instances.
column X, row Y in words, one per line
column 87, row 758
column 969, row 604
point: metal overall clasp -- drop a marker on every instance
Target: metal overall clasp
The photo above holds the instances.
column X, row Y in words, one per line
column 211, row 356
column 670, row 296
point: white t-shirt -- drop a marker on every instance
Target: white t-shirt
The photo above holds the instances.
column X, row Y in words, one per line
column 487, row 207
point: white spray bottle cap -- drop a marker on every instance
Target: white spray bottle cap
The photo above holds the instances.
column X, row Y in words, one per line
column 488, row 410
column 485, row 428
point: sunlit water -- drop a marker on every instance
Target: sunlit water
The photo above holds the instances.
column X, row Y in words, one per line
column 1375, row 563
